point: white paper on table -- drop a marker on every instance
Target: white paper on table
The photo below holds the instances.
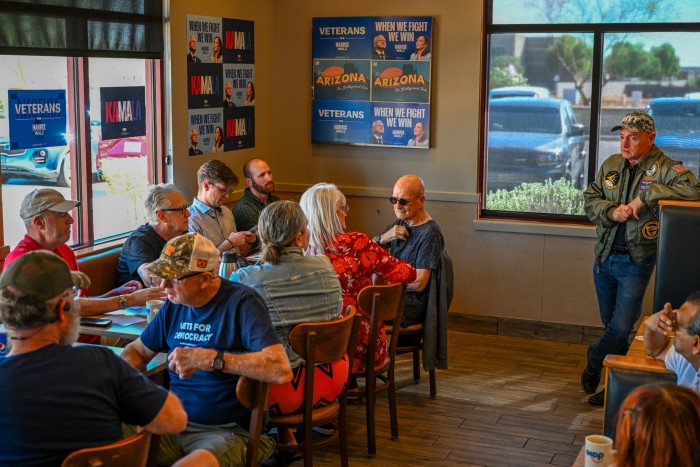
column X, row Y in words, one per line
column 130, row 311
column 127, row 320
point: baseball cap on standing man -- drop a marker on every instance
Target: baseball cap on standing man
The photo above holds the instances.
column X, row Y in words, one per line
column 635, row 122
column 45, row 199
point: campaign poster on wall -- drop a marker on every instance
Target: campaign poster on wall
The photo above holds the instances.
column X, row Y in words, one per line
column 385, row 62
column 342, row 79
column 37, row 118
column 123, row 112
column 220, row 84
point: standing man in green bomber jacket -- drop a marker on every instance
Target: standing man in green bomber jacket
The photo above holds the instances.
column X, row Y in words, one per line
column 623, row 203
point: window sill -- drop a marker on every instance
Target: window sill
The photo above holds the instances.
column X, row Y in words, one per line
column 535, row 228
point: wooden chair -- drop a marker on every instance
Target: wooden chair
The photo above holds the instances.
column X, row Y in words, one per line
column 132, row 451
column 412, row 342
column 622, row 375
column 382, row 303
column 321, row 342
column 254, row 395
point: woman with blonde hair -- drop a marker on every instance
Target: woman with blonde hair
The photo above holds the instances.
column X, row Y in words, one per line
column 296, row 289
column 355, row 258
column 658, row 426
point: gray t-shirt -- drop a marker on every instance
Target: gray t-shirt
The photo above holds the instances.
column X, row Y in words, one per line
column 422, row 250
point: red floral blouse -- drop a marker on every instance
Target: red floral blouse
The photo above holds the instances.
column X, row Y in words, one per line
column 356, row 259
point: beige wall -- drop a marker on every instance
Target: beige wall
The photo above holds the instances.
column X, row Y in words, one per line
column 537, row 276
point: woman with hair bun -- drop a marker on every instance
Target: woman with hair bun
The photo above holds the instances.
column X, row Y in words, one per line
column 296, row 289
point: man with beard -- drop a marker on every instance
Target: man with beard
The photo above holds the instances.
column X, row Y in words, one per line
column 57, row 398
column 261, row 185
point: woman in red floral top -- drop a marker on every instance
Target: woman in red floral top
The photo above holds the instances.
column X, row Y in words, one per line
column 354, row 256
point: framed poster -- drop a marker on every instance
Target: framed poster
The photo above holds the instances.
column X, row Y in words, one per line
column 371, row 80
column 220, row 84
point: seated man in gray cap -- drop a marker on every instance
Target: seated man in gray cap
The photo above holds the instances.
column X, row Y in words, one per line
column 57, row 398
column 213, row 330
column 46, row 215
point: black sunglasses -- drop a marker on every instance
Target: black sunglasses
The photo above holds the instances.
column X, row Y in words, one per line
column 181, row 210
column 401, row 201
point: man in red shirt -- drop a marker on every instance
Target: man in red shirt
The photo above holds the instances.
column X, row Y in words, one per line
column 46, row 215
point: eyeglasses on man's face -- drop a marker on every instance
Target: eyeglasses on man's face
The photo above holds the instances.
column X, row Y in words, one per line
column 401, row 201
column 345, row 209
column 225, row 191
column 181, row 210
column 676, row 326
column 179, row 280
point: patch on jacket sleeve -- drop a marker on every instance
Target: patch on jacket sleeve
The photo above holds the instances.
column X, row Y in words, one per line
column 650, row 230
column 612, row 179
column 680, row 168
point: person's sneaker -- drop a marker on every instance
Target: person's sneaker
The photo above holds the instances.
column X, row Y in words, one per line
column 597, row 399
column 590, row 379
column 325, row 430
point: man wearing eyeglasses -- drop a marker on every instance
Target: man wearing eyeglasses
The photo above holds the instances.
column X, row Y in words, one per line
column 415, row 238
column 213, row 331
column 674, row 335
column 55, row 398
column 167, row 213
column 208, row 214
column 46, row 215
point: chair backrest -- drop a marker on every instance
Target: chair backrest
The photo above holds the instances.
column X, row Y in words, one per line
column 678, row 253
column 253, row 394
column 131, row 451
column 382, row 303
column 329, row 339
column 623, row 375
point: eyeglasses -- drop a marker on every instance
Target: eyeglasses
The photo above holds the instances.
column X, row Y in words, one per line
column 676, row 326
column 401, row 201
column 345, row 209
column 181, row 210
column 179, row 280
column 225, row 191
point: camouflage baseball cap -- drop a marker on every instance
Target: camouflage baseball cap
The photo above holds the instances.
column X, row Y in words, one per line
column 637, row 121
column 184, row 255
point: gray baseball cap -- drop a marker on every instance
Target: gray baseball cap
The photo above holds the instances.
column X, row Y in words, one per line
column 45, row 199
column 637, row 121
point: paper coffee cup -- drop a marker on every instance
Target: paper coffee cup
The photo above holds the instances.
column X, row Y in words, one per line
column 153, row 306
column 598, row 451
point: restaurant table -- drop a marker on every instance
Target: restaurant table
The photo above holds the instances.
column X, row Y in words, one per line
column 133, row 322
column 581, row 458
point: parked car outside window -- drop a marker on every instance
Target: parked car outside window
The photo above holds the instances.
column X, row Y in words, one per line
column 532, row 140
column 678, row 128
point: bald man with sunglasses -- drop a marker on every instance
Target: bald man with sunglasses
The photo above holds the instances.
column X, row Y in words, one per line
column 415, row 238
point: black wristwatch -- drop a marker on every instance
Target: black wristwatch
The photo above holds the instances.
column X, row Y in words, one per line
column 217, row 363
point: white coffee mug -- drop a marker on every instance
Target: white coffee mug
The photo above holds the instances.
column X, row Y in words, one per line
column 153, row 307
column 599, row 450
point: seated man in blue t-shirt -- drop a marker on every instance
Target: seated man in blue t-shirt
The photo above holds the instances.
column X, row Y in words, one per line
column 56, row 398
column 415, row 238
column 213, row 331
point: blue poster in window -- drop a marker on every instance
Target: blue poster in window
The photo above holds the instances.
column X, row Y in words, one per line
column 123, row 112
column 341, row 79
column 342, row 37
column 37, row 118
column 341, row 122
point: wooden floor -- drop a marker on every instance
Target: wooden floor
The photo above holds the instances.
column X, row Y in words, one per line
column 505, row 401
